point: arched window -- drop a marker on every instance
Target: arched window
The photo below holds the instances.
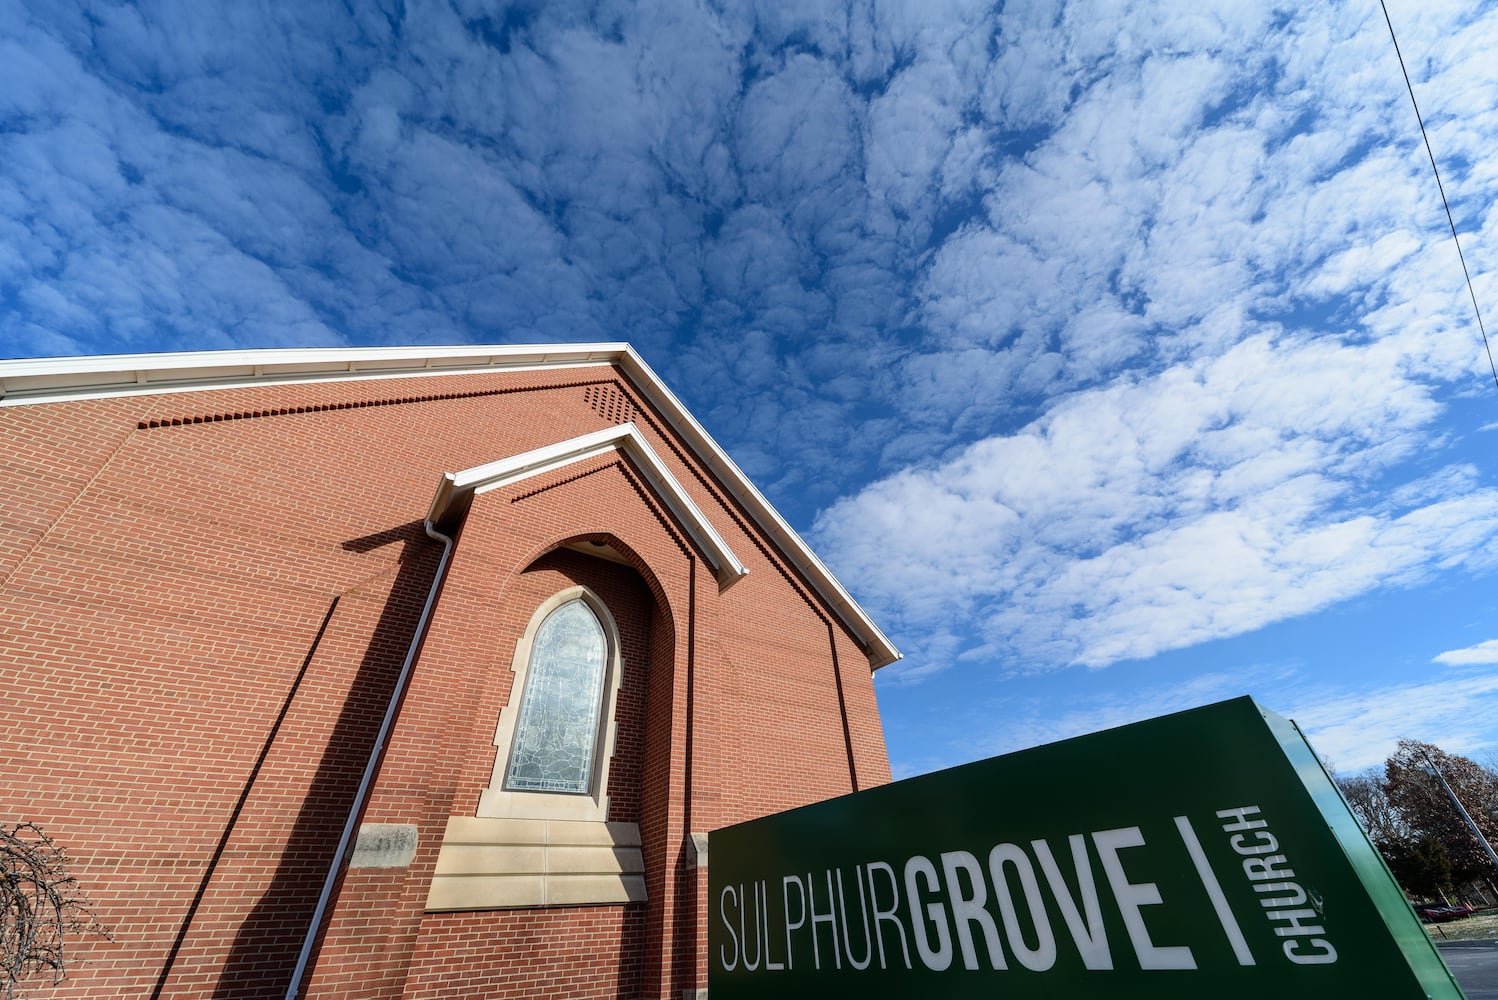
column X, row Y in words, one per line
column 556, row 736
column 553, row 747
column 556, row 731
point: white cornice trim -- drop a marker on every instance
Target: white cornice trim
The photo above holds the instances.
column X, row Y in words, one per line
column 457, row 487
column 50, row 380
column 881, row 651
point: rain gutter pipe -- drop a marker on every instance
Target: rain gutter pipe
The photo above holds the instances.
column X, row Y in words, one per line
column 376, row 755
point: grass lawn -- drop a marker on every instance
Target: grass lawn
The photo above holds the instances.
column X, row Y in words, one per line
column 1478, row 927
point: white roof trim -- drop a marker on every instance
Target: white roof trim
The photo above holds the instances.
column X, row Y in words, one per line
column 50, row 380
column 56, row 379
column 624, row 438
column 881, row 651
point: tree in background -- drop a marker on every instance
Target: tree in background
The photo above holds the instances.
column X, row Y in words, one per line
column 1425, row 809
column 1410, row 819
column 1422, row 867
column 40, row 905
column 1370, row 803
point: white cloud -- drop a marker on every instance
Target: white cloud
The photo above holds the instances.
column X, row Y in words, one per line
column 1483, row 652
column 1201, row 502
column 1358, row 730
column 1199, row 174
column 795, row 132
column 1135, row 306
column 1200, row 332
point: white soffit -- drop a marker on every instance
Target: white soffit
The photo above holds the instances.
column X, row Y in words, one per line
column 625, row 438
column 47, row 380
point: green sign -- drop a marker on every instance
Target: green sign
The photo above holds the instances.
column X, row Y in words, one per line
column 1202, row 854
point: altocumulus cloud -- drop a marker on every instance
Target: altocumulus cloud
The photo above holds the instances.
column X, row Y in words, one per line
column 1202, row 338
column 1198, row 503
column 744, row 193
column 1115, row 327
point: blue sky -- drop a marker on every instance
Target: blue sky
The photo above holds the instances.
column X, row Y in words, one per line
column 1115, row 355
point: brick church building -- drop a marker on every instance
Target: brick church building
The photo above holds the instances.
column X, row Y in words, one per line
column 402, row 672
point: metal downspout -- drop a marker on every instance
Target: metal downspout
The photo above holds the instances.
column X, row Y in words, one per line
column 361, row 797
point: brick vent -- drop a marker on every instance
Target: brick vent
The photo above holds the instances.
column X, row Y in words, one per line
column 611, row 403
column 282, row 411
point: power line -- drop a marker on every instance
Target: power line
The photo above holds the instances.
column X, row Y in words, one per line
column 1442, row 188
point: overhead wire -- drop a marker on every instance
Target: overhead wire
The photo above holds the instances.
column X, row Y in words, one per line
column 1442, row 188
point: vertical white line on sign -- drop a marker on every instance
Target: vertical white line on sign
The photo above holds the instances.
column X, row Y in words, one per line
column 1214, row 892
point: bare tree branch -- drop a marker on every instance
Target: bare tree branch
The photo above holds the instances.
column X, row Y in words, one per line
column 40, row 905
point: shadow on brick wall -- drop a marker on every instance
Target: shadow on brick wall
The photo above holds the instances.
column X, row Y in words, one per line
column 268, row 940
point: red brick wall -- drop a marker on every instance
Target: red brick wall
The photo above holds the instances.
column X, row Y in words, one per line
column 443, row 755
column 585, row 952
column 200, row 622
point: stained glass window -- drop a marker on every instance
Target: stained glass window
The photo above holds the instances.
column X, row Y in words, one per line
column 557, row 728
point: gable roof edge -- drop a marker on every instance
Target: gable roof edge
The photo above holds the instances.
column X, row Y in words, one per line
column 44, row 380
column 881, row 651
column 456, row 489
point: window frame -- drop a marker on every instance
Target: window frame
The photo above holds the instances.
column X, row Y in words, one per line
column 497, row 802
